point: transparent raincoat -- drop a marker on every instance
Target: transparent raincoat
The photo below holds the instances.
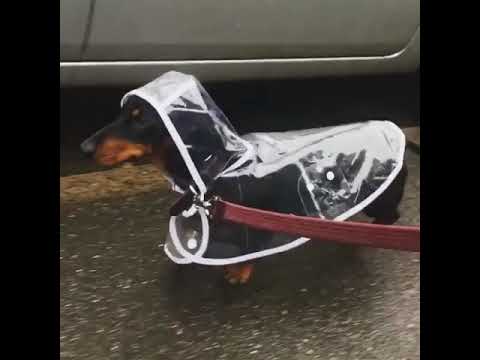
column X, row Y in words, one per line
column 332, row 172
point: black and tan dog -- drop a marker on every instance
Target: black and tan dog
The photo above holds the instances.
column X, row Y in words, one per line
column 138, row 132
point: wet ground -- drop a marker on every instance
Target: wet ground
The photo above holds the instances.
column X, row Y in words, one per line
column 121, row 298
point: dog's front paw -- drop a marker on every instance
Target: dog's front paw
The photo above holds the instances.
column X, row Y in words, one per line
column 238, row 274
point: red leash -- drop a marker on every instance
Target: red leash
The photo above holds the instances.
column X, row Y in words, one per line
column 356, row 233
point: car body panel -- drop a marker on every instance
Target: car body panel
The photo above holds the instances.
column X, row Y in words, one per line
column 73, row 26
column 131, row 42
column 249, row 29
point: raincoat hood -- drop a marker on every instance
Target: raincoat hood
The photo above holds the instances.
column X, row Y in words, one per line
column 204, row 137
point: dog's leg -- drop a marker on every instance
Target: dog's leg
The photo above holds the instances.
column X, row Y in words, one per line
column 384, row 209
column 238, row 273
column 387, row 220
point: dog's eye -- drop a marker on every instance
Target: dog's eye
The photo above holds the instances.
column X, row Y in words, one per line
column 136, row 114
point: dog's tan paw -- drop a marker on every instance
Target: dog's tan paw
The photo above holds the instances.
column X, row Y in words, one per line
column 238, row 274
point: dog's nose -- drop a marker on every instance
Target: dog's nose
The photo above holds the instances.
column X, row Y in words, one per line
column 88, row 147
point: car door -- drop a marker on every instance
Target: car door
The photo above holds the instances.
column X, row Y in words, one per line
column 132, row 41
column 74, row 16
column 73, row 25
column 249, row 29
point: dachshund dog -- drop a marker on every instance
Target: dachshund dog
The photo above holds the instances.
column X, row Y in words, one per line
column 138, row 132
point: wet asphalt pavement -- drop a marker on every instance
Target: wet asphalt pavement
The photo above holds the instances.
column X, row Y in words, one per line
column 121, row 298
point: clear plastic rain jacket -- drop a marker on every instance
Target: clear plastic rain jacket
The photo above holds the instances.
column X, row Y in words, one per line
column 331, row 172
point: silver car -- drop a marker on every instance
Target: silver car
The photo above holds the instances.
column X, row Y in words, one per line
column 111, row 42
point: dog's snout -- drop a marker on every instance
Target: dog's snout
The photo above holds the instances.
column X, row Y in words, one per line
column 88, row 147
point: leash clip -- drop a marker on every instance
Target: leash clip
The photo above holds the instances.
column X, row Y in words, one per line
column 206, row 205
column 191, row 201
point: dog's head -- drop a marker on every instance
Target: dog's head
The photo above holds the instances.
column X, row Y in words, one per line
column 139, row 131
column 136, row 132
